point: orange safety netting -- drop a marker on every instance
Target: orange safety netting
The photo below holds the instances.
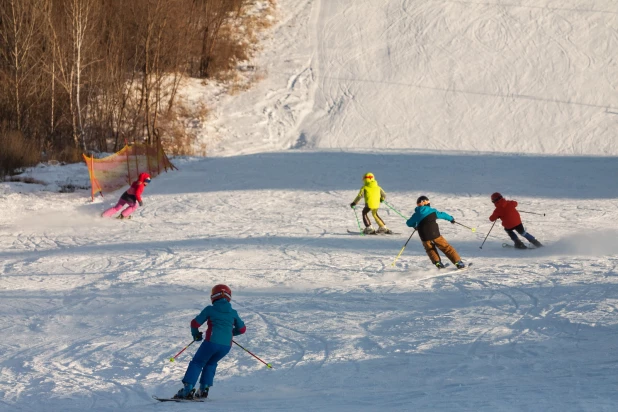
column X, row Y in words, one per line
column 122, row 168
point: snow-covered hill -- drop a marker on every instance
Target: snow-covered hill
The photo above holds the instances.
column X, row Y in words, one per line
column 91, row 310
column 517, row 77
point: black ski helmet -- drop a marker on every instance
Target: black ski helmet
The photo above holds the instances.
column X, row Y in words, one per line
column 422, row 201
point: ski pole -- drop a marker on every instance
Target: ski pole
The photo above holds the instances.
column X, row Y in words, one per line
column 492, row 226
column 173, row 358
column 395, row 210
column 532, row 213
column 358, row 222
column 467, row 227
column 268, row 365
column 404, row 246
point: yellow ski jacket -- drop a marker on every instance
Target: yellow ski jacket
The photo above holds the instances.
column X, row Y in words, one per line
column 372, row 193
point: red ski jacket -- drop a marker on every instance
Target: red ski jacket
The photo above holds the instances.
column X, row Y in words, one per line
column 507, row 212
column 137, row 187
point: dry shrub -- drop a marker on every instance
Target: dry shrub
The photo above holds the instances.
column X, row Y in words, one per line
column 239, row 40
column 254, row 24
column 179, row 138
column 25, row 179
column 17, row 153
column 248, row 42
column 68, row 155
column 243, row 82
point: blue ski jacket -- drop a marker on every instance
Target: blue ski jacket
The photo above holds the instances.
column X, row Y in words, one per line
column 222, row 320
column 424, row 221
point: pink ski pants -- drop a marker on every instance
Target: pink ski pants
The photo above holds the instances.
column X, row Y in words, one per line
column 121, row 203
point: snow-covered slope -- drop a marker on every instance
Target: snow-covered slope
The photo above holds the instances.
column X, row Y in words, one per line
column 525, row 76
column 91, row 310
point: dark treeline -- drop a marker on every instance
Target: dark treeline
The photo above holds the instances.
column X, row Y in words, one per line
column 81, row 75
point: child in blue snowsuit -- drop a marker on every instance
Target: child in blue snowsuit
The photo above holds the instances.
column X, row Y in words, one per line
column 223, row 323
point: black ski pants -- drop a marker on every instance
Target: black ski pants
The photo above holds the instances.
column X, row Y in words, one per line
column 374, row 212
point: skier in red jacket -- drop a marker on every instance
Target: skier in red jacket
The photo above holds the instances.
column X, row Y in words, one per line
column 506, row 210
column 132, row 197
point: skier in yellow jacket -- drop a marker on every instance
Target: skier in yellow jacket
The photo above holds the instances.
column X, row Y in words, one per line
column 374, row 195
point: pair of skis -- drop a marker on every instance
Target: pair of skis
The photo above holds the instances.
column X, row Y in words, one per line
column 177, row 399
column 456, row 269
column 356, row 232
column 508, row 245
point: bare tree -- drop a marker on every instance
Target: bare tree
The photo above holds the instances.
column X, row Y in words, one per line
column 73, row 20
column 213, row 15
column 19, row 40
column 160, row 27
column 77, row 74
column 81, row 13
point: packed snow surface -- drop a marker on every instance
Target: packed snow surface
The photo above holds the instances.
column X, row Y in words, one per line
column 524, row 76
column 450, row 99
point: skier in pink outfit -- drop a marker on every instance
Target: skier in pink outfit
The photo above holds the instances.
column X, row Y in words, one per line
column 132, row 197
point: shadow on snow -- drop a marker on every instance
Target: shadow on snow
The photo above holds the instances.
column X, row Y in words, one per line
column 450, row 173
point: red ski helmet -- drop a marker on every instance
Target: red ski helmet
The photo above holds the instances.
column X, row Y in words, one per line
column 221, row 292
column 495, row 197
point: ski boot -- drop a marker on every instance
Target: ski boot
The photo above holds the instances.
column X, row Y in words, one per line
column 460, row 265
column 188, row 392
column 520, row 245
column 536, row 243
column 202, row 393
column 120, row 216
column 439, row 265
column 384, row 230
column 369, row 230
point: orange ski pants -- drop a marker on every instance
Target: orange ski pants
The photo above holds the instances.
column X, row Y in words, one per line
column 431, row 247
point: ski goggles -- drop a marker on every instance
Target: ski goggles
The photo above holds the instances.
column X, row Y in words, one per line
column 220, row 295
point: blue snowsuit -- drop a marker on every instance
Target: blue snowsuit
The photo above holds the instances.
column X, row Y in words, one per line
column 223, row 323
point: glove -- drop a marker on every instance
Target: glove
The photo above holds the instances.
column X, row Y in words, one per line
column 352, row 205
column 453, row 221
column 382, row 200
column 198, row 337
column 140, row 203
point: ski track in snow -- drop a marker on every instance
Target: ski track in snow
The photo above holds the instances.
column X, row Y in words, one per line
column 103, row 304
column 91, row 310
column 433, row 75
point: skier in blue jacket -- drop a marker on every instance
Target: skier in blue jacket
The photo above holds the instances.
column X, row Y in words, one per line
column 424, row 221
column 223, row 323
